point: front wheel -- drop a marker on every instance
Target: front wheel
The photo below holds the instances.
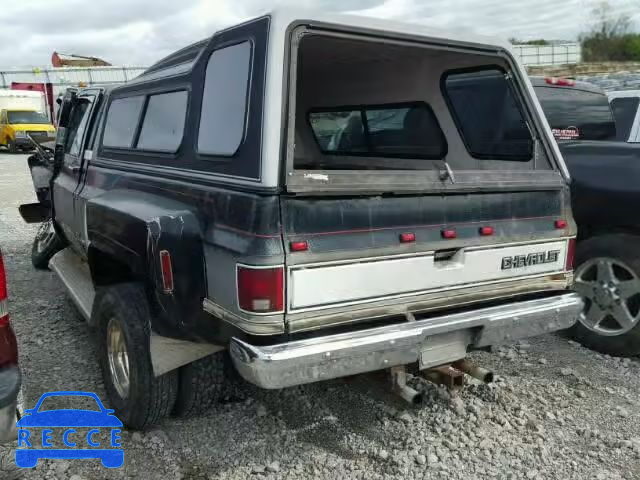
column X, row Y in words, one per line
column 123, row 323
column 608, row 278
column 46, row 244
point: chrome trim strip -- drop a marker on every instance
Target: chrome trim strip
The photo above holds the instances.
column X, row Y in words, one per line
column 312, row 319
column 262, row 325
column 333, row 356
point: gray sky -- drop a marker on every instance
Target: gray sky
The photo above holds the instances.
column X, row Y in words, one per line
column 139, row 32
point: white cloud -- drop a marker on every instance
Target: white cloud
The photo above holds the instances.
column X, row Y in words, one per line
column 142, row 31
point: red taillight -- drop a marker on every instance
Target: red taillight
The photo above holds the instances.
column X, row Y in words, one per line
column 167, row 271
column 302, row 246
column 486, row 231
column 261, row 290
column 560, row 224
column 407, row 237
column 560, row 82
column 449, row 234
column 571, row 252
column 8, row 344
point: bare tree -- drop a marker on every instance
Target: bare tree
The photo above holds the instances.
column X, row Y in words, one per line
column 607, row 23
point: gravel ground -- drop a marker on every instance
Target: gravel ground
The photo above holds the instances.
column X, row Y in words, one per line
column 558, row 411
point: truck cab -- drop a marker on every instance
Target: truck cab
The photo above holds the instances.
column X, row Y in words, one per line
column 393, row 201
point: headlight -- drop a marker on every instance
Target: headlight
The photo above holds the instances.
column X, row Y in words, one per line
column 21, row 133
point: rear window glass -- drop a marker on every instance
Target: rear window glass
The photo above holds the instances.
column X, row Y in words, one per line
column 575, row 114
column 624, row 112
column 122, row 121
column 163, row 124
column 399, row 130
column 224, row 104
column 488, row 115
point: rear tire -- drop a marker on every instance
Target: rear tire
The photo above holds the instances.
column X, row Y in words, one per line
column 201, row 385
column 610, row 323
column 138, row 397
column 45, row 245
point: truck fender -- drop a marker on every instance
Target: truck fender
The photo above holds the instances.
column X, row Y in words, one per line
column 134, row 228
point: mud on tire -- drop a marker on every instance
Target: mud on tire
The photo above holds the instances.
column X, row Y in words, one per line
column 149, row 398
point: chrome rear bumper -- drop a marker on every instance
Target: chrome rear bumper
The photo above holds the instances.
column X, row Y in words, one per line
column 427, row 341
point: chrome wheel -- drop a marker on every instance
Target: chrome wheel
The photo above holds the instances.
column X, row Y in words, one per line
column 118, row 358
column 45, row 235
column 611, row 290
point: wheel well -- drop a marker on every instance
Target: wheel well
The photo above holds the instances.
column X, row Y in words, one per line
column 106, row 269
column 589, row 231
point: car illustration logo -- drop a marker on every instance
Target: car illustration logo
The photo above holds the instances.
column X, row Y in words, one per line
column 64, row 433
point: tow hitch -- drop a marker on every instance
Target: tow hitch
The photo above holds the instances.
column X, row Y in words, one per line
column 451, row 376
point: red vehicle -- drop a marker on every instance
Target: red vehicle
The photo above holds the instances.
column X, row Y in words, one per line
column 9, row 371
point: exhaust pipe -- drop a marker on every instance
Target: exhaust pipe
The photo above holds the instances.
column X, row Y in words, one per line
column 474, row 371
column 399, row 385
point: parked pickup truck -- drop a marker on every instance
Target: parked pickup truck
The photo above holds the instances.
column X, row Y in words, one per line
column 626, row 111
column 605, row 196
column 207, row 208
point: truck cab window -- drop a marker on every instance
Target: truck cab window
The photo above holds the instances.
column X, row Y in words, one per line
column 78, row 125
column 624, row 112
column 224, row 102
column 408, row 130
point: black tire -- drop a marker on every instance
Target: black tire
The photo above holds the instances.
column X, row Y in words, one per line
column 201, row 385
column 149, row 398
column 12, row 147
column 624, row 248
column 45, row 245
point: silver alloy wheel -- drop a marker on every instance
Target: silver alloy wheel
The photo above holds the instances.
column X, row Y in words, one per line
column 118, row 358
column 44, row 236
column 611, row 290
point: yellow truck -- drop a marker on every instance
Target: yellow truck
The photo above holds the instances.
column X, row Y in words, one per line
column 22, row 115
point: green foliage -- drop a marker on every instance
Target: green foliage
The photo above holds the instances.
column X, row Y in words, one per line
column 597, row 47
column 610, row 37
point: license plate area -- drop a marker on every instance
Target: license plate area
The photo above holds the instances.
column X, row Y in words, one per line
column 444, row 348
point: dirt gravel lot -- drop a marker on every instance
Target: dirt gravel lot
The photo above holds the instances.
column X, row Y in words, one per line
column 558, row 410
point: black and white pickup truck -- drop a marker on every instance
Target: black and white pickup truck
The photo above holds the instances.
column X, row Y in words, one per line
column 606, row 195
column 313, row 196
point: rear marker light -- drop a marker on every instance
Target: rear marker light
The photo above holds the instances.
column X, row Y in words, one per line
column 299, row 246
column 261, row 290
column 560, row 224
column 449, row 234
column 167, row 271
column 407, row 237
column 486, row 231
column 571, row 252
